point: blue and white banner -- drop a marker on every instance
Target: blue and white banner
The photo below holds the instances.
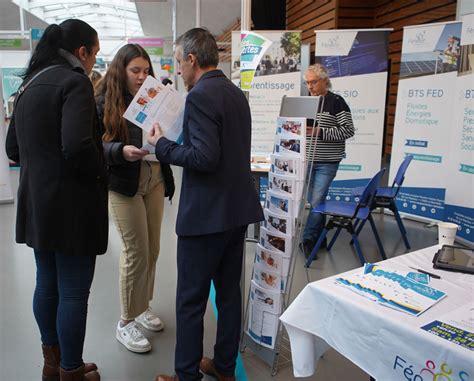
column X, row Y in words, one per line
column 425, row 118
column 357, row 61
column 459, row 206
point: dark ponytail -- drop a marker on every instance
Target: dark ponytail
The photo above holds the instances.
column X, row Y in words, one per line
column 69, row 35
column 46, row 50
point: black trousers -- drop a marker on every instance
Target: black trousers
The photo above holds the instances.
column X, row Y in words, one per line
column 216, row 257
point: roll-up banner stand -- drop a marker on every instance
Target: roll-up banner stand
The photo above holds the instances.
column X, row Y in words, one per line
column 278, row 74
column 357, row 61
column 459, row 203
column 433, row 123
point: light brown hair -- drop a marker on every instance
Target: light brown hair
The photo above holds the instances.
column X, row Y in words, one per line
column 113, row 87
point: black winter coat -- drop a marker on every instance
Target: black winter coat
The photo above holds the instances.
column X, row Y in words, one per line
column 62, row 196
column 124, row 175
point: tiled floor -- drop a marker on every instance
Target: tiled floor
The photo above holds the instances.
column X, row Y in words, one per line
column 20, row 353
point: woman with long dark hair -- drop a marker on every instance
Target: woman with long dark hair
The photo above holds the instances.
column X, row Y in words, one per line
column 137, row 187
column 62, row 195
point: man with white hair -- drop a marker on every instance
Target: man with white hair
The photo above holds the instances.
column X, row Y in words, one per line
column 335, row 122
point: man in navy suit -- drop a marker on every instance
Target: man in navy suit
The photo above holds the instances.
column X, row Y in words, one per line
column 218, row 200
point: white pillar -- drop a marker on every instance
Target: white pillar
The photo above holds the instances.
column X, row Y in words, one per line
column 198, row 13
column 22, row 19
column 246, row 15
column 175, row 36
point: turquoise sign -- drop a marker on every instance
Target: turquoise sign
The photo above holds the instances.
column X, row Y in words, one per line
column 11, row 81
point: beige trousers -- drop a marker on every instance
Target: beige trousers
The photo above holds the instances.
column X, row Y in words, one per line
column 138, row 222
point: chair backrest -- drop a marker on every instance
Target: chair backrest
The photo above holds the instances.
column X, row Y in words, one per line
column 371, row 189
column 400, row 176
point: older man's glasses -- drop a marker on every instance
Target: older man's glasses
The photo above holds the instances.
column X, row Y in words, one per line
column 311, row 83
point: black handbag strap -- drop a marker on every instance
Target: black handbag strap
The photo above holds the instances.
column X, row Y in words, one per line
column 22, row 88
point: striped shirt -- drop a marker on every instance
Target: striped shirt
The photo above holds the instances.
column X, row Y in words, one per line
column 336, row 126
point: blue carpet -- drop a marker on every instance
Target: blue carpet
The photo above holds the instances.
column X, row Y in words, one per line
column 240, row 373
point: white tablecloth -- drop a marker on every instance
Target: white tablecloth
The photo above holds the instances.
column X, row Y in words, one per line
column 385, row 343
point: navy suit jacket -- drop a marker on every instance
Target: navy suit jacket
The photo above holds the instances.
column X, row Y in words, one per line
column 217, row 192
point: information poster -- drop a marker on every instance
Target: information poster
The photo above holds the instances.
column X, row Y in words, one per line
column 278, row 74
column 357, row 61
column 459, row 206
column 11, row 81
column 425, row 117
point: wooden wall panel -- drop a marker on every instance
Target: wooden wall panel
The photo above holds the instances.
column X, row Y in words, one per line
column 354, row 14
column 224, row 42
column 308, row 15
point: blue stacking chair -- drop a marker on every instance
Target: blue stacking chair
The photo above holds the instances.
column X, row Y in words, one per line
column 343, row 215
column 386, row 198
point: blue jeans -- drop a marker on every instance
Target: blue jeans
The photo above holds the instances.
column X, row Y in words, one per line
column 60, row 302
column 322, row 176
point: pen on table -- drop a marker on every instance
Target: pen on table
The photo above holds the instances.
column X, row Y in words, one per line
column 426, row 272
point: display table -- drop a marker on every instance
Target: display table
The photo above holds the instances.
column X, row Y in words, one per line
column 259, row 170
column 385, row 343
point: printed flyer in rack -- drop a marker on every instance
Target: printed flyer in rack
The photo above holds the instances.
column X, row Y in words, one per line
column 276, row 222
column 263, row 326
column 272, row 259
column 285, row 165
column 276, row 241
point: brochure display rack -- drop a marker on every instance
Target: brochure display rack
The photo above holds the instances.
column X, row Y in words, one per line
column 280, row 233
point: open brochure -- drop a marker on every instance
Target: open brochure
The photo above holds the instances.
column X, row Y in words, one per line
column 156, row 103
column 392, row 288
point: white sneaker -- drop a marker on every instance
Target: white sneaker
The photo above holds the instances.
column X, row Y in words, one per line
column 150, row 321
column 131, row 337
